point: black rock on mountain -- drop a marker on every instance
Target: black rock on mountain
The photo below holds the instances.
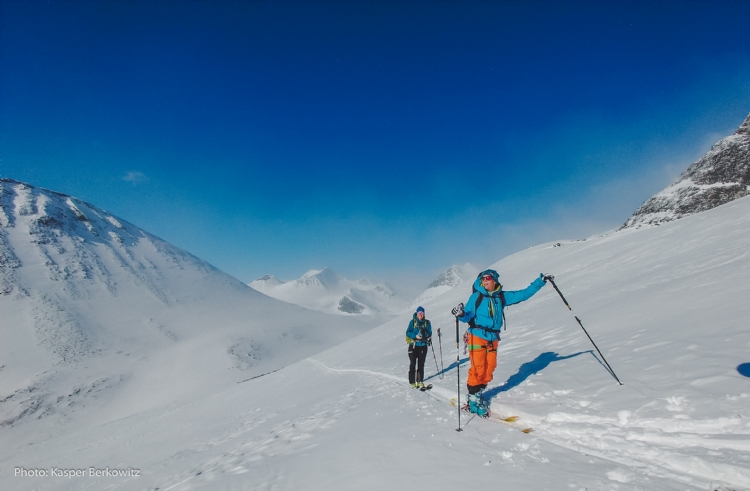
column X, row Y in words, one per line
column 720, row 176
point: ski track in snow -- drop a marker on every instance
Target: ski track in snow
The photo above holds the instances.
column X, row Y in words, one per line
column 654, row 446
column 245, row 447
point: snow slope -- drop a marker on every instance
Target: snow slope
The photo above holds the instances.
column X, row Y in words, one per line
column 667, row 305
column 101, row 320
column 326, row 291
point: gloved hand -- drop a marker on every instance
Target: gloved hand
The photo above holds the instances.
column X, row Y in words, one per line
column 429, row 341
column 546, row 277
column 458, row 310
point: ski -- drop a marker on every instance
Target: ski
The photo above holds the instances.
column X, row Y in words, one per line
column 513, row 421
column 426, row 387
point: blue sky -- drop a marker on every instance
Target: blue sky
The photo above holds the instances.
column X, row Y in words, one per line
column 382, row 139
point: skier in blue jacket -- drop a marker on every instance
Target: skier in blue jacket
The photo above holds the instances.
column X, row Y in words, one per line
column 484, row 314
column 419, row 336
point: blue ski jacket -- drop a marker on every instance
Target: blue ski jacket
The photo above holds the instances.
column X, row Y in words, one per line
column 488, row 316
column 417, row 327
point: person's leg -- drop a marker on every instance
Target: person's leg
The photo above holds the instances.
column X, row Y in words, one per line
column 478, row 368
column 412, row 363
column 476, row 400
column 483, row 357
column 422, row 356
column 491, row 363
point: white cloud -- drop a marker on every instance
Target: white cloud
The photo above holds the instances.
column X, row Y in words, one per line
column 135, row 177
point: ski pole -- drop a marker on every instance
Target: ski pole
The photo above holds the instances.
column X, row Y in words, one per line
column 458, row 377
column 584, row 330
column 440, row 375
column 440, row 345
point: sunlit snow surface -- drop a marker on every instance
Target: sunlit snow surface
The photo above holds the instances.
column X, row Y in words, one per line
column 668, row 306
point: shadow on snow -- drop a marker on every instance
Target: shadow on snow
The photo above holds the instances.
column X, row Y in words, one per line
column 527, row 370
column 447, row 369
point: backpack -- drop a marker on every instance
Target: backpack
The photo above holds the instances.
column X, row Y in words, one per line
column 422, row 331
column 480, row 297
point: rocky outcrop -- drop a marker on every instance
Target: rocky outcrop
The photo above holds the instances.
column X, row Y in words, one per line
column 349, row 306
column 720, row 176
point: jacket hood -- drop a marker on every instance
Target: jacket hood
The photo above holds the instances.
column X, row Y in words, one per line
column 490, row 272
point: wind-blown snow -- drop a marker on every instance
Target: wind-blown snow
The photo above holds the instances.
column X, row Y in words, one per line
column 720, row 176
column 666, row 305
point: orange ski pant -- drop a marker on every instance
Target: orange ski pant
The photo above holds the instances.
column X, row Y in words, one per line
column 483, row 356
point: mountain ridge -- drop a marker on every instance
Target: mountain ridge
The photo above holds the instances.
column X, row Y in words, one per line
column 82, row 287
column 327, row 291
column 720, row 176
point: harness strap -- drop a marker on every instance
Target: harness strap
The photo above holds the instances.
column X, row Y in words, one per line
column 474, row 347
column 487, row 329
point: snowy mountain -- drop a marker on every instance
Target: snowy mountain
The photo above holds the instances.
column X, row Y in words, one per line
column 326, row 291
column 101, row 320
column 450, row 279
column 266, row 282
column 666, row 305
column 720, row 176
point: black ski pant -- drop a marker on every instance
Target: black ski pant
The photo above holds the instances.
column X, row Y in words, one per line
column 417, row 356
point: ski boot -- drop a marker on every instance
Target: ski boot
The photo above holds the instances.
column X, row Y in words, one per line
column 476, row 405
column 420, row 385
column 413, row 386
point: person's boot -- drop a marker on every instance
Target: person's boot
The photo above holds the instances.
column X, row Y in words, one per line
column 420, row 385
column 476, row 405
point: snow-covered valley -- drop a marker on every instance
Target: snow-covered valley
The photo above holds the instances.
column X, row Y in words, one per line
column 667, row 306
column 101, row 320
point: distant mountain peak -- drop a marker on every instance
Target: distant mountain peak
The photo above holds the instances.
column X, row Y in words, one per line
column 327, row 291
column 325, row 277
column 265, row 282
column 449, row 279
column 720, row 176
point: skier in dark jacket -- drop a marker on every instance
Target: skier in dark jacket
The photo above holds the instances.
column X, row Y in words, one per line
column 484, row 314
column 419, row 336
